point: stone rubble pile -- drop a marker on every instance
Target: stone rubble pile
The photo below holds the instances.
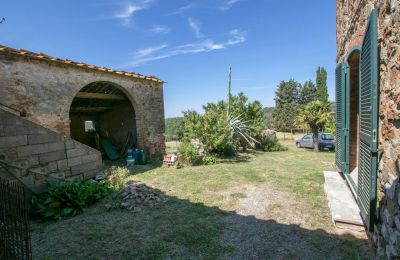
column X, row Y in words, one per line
column 135, row 197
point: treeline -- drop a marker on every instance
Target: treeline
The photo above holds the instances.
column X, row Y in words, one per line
column 291, row 97
column 174, row 128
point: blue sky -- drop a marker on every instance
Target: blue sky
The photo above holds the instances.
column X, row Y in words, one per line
column 187, row 43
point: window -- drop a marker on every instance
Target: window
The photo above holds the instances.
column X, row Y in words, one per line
column 307, row 137
column 89, row 126
column 327, row 137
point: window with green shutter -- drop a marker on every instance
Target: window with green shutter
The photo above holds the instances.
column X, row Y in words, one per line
column 368, row 122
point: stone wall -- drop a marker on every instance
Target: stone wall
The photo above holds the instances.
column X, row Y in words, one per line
column 44, row 90
column 35, row 154
column 352, row 17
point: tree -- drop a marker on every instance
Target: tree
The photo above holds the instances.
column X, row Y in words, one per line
column 210, row 129
column 314, row 116
column 240, row 107
column 222, row 133
column 322, row 89
column 174, row 127
column 330, row 126
column 286, row 105
column 307, row 93
column 268, row 120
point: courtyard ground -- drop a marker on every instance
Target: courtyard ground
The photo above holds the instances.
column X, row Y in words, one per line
column 255, row 206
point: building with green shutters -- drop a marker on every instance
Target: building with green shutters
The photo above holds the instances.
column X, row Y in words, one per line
column 368, row 114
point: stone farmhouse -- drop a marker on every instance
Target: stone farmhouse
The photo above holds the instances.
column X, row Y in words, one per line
column 368, row 114
column 49, row 108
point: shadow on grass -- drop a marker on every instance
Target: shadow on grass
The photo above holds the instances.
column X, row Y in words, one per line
column 320, row 151
column 137, row 169
column 241, row 157
column 179, row 228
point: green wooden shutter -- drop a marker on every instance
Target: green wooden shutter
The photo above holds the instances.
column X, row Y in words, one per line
column 341, row 113
column 367, row 170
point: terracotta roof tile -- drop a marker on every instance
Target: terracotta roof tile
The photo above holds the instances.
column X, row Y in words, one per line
column 80, row 64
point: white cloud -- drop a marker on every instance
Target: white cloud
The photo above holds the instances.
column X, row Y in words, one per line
column 228, row 4
column 237, row 36
column 184, row 8
column 162, row 51
column 195, row 26
column 161, row 29
column 149, row 51
column 128, row 10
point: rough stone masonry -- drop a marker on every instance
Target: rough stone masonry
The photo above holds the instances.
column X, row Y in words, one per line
column 41, row 89
column 352, row 17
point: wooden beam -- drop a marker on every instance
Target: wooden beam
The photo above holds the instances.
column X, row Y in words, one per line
column 89, row 95
column 89, row 109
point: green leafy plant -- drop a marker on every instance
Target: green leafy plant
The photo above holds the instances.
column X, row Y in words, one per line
column 188, row 152
column 270, row 143
column 209, row 159
column 65, row 199
column 116, row 177
column 330, row 126
column 226, row 125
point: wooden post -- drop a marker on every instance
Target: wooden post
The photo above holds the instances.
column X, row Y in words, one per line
column 229, row 92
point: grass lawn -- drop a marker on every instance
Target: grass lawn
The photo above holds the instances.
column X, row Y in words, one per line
column 257, row 205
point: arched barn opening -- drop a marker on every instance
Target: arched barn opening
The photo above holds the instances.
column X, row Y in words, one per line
column 102, row 116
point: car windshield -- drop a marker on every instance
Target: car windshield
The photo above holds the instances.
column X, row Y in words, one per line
column 327, row 137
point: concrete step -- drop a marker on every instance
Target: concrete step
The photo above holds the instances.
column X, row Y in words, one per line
column 344, row 209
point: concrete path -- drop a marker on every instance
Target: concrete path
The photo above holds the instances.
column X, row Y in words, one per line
column 344, row 209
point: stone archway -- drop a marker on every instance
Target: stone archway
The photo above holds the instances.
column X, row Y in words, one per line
column 102, row 110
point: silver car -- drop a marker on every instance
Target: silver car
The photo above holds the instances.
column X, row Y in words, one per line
column 325, row 141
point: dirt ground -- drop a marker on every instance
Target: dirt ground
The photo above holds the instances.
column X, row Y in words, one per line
column 264, row 226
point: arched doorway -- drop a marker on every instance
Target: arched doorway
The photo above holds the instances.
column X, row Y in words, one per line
column 102, row 115
column 354, row 115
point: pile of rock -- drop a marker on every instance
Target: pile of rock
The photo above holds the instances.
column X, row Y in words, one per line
column 135, row 197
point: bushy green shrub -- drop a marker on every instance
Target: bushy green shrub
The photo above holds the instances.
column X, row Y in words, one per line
column 188, row 152
column 211, row 129
column 116, row 177
column 221, row 131
column 209, row 159
column 65, row 199
column 270, row 143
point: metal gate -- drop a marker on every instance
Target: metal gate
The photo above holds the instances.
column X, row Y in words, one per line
column 14, row 221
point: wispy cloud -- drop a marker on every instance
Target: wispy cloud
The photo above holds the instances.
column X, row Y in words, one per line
column 228, row 4
column 129, row 9
column 160, row 29
column 195, row 26
column 149, row 51
column 163, row 51
column 185, row 8
column 237, row 36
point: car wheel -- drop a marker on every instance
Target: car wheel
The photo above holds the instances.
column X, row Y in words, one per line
column 298, row 145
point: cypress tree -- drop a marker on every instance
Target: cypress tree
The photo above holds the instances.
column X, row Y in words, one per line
column 286, row 105
column 322, row 89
